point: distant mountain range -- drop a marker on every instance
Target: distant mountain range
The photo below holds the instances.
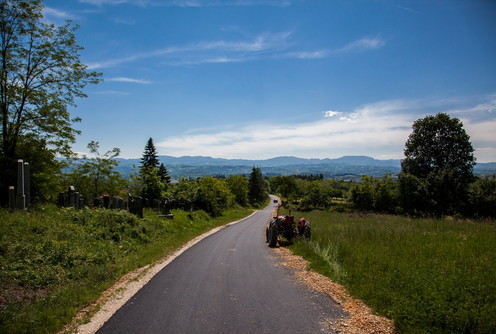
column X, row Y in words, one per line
column 345, row 168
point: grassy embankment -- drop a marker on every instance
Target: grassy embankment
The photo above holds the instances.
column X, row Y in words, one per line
column 55, row 261
column 428, row 275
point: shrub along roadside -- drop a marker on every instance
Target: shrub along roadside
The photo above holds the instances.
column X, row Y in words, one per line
column 428, row 275
column 56, row 261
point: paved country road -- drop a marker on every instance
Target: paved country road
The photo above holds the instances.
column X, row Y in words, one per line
column 227, row 283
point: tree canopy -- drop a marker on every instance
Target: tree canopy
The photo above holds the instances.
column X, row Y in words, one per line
column 439, row 158
column 150, row 156
column 257, row 188
column 41, row 75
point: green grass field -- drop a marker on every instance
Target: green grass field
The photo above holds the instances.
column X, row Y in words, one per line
column 55, row 261
column 428, row 275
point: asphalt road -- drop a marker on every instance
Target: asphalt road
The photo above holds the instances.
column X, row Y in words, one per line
column 227, row 283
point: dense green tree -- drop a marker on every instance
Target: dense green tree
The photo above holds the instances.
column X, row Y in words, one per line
column 152, row 185
column 238, row 185
column 152, row 179
column 439, row 152
column 213, row 196
column 286, row 186
column 150, row 156
column 482, row 197
column 164, row 174
column 40, row 76
column 375, row 194
column 95, row 175
column 45, row 169
column 257, row 188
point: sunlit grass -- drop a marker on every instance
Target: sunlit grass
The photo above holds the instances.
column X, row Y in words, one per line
column 429, row 275
column 55, row 261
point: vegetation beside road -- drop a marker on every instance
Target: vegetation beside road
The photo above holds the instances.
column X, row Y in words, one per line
column 428, row 275
column 56, row 261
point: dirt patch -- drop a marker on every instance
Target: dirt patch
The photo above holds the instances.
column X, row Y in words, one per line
column 360, row 319
column 12, row 293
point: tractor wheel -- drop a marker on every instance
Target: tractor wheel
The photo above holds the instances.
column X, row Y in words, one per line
column 307, row 231
column 273, row 235
column 289, row 234
column 267, row 234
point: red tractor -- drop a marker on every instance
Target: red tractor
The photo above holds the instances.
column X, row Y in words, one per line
column 285, row 227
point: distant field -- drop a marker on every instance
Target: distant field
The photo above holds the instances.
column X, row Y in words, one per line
column 429, row 275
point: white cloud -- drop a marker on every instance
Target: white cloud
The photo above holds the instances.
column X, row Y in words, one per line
column 52, row 14
column 371, row 132
column 308, row 54
column 264, row 45
column 363, row 44
column 331, row 113
column 376, row 129
column 130, row 80
column 208, row 52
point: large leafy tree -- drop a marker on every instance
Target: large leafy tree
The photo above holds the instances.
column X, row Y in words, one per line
column 41, row 75
column 440, row 155
column 95, row 175
column 238, row 185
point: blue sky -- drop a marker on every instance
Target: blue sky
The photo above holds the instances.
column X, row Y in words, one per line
column 262, row 78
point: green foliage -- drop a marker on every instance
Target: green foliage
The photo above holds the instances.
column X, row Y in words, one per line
column 439, row 151
column 482, row 197
column 153, row 178
column 40, row 75
column 375, row 194
column 238, row 185
column 164, row 174
column 150, row 156
column 257, row 188
column 45, row 169
column 213, row 196
column 428, row 275
column 95, row 175
column 286, row 186
column 152, row 185
column 55, row 261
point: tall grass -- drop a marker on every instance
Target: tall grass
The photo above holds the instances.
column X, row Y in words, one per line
column 429, row 275
column 56, row 261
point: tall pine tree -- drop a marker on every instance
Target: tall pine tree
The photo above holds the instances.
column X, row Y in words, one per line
column 257, row 189
column 152, row 184
column 164, row 174
column 150, row 156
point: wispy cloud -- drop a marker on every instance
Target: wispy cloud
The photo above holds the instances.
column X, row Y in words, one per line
column 208, row 52
column 190, row 3
column 57, row 14
column 363, row 44
column 267, row 45
column 377, row 129
column 112, row 93
column 129, row 80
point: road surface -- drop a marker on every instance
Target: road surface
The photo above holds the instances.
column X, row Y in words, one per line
column 227, row 283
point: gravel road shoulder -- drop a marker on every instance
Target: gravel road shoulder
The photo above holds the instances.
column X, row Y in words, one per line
column 360, row 317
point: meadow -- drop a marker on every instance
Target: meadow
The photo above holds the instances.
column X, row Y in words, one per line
column 428, row 275
column 55, row 261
